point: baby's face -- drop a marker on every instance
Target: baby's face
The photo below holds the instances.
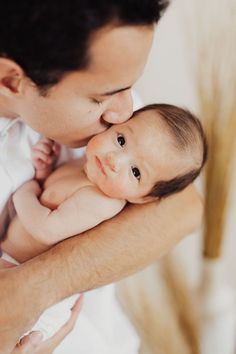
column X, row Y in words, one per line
column 128, row 159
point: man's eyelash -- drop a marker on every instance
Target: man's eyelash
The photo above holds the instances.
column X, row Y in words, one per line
column 96, row 101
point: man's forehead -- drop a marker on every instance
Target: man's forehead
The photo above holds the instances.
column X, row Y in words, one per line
column 115, row 62
column 120, row 51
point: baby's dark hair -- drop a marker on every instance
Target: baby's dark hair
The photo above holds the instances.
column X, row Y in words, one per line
column 188, row 135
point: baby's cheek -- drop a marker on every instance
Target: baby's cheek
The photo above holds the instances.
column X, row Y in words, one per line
column 91, row 146
column 95, row 142
column 117, row 189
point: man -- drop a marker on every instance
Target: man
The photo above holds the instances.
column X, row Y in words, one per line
column 67, row 70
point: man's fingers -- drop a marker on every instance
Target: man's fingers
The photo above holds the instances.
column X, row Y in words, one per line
column 76, row 308
column 28, row 343
column 33, row 343
column 56, row 339
column 34, row 338
column 6, row 264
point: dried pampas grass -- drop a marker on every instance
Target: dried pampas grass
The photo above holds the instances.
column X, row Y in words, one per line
column 158, row 300
column 216, row 82
column 161, row 306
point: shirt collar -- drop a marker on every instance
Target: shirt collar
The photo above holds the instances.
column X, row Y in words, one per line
column 6, row 124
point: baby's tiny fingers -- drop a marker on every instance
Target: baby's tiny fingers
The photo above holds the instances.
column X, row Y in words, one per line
column 39, row 164
column 47, row 140
column 44, row 147
column 56, row 148
column 40, row 155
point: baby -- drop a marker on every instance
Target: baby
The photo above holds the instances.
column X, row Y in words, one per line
column 156, row 153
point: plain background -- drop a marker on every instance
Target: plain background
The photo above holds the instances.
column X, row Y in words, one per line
column 169, row 78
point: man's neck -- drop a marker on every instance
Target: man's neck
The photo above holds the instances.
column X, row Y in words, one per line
column 5, row 111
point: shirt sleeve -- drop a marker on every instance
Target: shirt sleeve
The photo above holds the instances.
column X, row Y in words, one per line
column 13, row 174
column 6, row 187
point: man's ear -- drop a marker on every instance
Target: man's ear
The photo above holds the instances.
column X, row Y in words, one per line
column 142, row 200
column 11, row 75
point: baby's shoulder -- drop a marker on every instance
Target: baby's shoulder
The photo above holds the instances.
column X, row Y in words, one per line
column 98, row 203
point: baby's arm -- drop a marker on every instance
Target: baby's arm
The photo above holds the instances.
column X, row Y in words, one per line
column 44, row 156
column 85, row 209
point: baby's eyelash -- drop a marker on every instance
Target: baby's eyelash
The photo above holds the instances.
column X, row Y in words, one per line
column 136, row 172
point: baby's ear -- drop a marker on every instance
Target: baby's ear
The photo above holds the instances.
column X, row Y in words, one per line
column 143, row 200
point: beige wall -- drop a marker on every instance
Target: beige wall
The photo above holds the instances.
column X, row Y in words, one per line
column 168, row 76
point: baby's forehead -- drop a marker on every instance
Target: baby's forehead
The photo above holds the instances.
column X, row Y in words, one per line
column 182, row 138
column 148, row 117
column 150, row 122
column 164, row 138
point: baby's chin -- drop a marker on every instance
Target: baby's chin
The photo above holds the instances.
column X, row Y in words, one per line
column 112, row 192
column 88, row 174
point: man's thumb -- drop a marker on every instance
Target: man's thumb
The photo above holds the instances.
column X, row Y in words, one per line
column 30, row 341
column 35, row 337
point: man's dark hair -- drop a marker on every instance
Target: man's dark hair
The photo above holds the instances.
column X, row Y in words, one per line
column 188, row 136
column 51, row 38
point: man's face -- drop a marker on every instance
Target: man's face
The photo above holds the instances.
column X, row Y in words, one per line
column 86, row 102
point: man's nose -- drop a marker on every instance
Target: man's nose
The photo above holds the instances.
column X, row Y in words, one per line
column 120, row 108
column 114, row 161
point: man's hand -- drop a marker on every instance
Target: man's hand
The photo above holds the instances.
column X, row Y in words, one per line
column 33, row 342
column 5, row 264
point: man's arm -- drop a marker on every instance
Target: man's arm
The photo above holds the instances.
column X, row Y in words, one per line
column 33, row 342
column 138, row 236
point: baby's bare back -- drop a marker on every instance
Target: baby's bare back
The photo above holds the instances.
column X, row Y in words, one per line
column 60, row 185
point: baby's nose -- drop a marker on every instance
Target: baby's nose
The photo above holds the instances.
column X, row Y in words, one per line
column 113, row 161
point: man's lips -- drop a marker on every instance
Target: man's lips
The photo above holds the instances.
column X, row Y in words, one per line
column 100, row 165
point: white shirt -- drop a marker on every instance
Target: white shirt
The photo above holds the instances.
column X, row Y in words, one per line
column 16, row 140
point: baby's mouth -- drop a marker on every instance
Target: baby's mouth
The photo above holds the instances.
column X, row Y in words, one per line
column 100, row 165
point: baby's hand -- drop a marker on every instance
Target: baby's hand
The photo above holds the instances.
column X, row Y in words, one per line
column 44, row 156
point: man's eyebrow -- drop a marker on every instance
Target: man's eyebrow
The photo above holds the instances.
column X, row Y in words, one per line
column 110, row 93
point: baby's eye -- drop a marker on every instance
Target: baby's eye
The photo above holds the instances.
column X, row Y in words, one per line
column 136, row 173
column 121, row 140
